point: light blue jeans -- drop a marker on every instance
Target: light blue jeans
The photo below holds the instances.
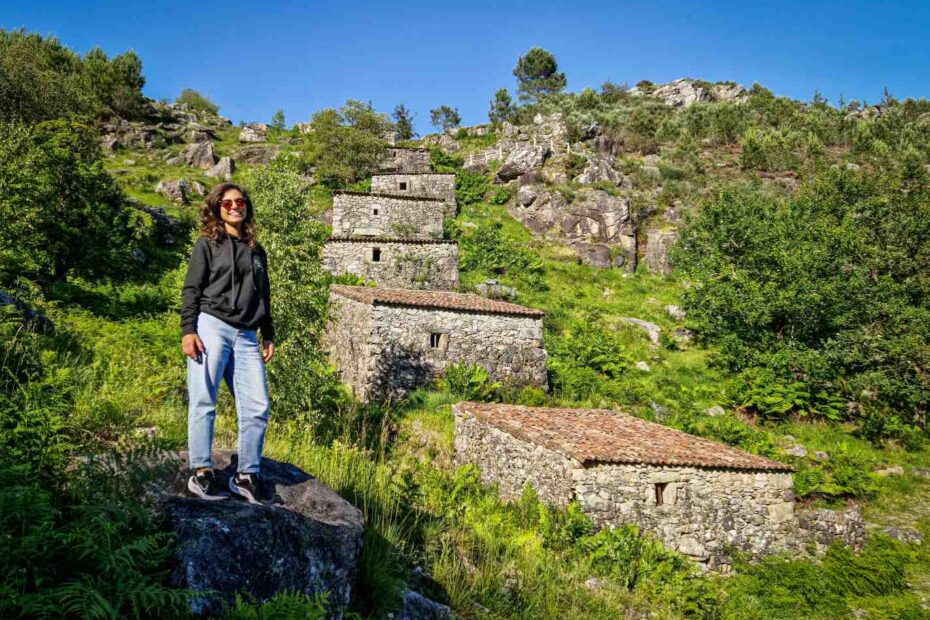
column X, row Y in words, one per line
column 234, row 355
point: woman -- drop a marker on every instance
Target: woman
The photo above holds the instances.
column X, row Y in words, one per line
column 226, row 298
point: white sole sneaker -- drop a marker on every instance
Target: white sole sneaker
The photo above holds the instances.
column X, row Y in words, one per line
column 242, row 491
column 194, row 488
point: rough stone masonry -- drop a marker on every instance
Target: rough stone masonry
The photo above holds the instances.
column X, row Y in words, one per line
column 424, row 184
column 409, row 160
column 382, row 215
column 386, row 342
column 431, row 264
column 698, row 496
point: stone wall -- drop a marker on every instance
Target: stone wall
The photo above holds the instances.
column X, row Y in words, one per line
column 703, row 510
column 394, row 343
column 511, row 464
column 349, row 352
column 431, row 266
column 397, row 159
column 431, row 185
column 381, row 215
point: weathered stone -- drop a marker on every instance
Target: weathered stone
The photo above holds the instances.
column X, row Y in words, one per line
column 921, row 472
column 496, row 290
column 384, row 215
column 652, row 330
column 643, row 366
column 256, row 132
column 820, row 455
column 685, row 92
column 682, row 335
column 406, row 160
column 798, row 451
column 905, row 534
column 599, row 169
column 658, row 245
column 521, row 161
column 423, row 185
column 179, row 191
column 891, row 470
column 415, row 606
column 199, row 155
column 593, row 254
column 676, row 312
column 823, row 526
column 395, row 263
column 110, row 143
column 175, row 161
column 305, row 538
column 223, row 169
column 202, row 134
column 715, row 411
column 257, row 154
column 526, row 194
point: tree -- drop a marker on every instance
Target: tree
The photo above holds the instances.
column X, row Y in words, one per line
column 347, row 144
column 537, row 74
column 60, row 212
column 445, row 118
column 197, row 101
column 502, row 108
column 277, row 121
column 403, row 120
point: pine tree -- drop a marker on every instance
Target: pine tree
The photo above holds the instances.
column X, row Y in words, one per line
column 403, row 119
column 537, row 73
column 502, row 108
column 445, row 117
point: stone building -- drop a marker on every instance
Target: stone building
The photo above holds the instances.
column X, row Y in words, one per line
column 386, row 342
column 365, row 214
column 416, row 264
column 698, row 496
column 423, row 184
column 409, row 160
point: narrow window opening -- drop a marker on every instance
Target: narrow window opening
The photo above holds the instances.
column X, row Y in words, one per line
column 376, row 255
column 374, row 210
column 660, row 493
column 435, row 340
column 403, row 185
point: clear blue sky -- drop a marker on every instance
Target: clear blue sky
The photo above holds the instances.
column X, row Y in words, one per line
column 255, row 57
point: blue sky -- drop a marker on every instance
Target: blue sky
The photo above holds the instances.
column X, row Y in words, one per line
column 254, row 57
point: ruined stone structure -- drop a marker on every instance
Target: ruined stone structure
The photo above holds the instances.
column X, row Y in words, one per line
column 698, row 496
column 383, row 215
column 386, row 342
column 408, row 160
column 422, row 184
column 420, row 264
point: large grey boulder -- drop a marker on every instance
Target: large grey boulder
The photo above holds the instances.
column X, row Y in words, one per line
column 180, row 191
column 653, row 331
column 199, row 155
column 256, row 132
column 659, row 244
column 256, row 154
column 415, row 606
column 223, row 169
column 305, row 538
column 520, row 161
column 684, row 92
column 599, row 169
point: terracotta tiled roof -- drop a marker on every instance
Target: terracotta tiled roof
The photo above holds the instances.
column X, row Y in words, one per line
column 443, row 300
column 595, row 436
column 346, row 192
column 379, row 239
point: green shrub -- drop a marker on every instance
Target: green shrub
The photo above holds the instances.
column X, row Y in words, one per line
column 469, row 382
column 280, row 607
column 501, row 196
column 769, row 151
column 470, row 187
column 345, row 145
column 486, row 249
column 197, row 101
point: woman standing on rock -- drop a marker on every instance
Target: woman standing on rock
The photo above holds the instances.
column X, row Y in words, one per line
column 225, row 300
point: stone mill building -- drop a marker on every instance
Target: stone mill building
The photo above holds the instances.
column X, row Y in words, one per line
column 698, row 496
column 407, row 329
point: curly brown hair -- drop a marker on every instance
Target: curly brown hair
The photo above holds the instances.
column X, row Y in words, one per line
column 211, row 224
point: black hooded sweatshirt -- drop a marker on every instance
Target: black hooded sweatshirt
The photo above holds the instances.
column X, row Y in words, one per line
column 228, row 280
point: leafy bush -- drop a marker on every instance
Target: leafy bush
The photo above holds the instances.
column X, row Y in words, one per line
column 197, row 101
column 469, row 382
column 485, row 248
column 280, row 607
column 630, row 559
column 346, row 145
column 769, row 150
column 500, row 197
column 760, row 391
column 470, row 187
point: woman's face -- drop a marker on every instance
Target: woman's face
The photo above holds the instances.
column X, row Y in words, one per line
column 233, row 208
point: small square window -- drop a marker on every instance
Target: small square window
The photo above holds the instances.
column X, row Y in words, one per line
column 435, row 340
column 374, row 210
column 376, row 255
column 403, row 186
column 660, row 492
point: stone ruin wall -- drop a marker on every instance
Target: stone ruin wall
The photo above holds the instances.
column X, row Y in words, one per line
column 397, row 159
column 359, row 214
column 428, row 266
column 705, row 511
column 346, row 340
column 510, row 347
column 441, row 186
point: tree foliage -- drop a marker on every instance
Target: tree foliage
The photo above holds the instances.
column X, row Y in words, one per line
column 403, row 122
column 537, row 74
column 197, row 101
column 502, row 108
column 445, row 118
column 346, row 145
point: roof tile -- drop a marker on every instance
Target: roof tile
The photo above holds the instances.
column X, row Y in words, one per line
column 444, row 300
column 595, row 436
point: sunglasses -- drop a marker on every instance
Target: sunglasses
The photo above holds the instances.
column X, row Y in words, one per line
column 228, row 203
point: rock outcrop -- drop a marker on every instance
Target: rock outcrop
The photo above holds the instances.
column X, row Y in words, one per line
column 598, row 169
column 522, row 160
column 305, row 538
column 199, row 155
column 180, row 191
column 256, row 154
column 223, row 169
column 658, row 246
column 415, row 606
column 684, row 92
column 256, row 132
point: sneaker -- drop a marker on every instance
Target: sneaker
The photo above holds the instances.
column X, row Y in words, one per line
column 245, row 485
column 205, row 485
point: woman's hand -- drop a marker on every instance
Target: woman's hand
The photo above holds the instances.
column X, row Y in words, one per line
column 193, row 347
column 267, row 350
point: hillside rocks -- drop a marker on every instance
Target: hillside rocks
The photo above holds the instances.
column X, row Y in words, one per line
column 520, row 161
column 199, row 155
column 256, row 154
column 658, row 245
column 415, row 606
column 685, row 92
column 599, row 169
column 305, row 539
column 256, row 132
column 180, row 191
column 223, row 169
column 652, row 330
column 165, row 124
